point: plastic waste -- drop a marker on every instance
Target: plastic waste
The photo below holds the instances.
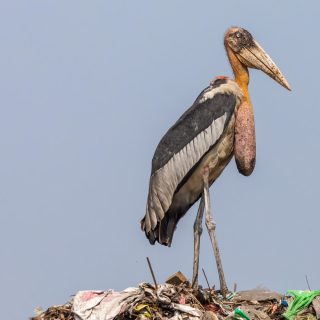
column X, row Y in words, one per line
column 302, row 300
column 238, row 314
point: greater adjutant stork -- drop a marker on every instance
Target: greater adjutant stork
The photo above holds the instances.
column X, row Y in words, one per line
column 196, row 149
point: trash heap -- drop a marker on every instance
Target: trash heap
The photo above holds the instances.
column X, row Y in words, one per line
column 177, row 300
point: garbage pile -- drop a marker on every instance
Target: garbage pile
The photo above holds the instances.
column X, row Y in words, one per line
column 177, row 300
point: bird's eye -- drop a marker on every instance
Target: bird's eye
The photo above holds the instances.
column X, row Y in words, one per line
column 238, row 35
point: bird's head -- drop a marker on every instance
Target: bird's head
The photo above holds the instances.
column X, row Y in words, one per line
column 248, row 51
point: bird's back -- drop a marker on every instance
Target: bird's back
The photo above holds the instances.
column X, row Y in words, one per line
column 203, row 133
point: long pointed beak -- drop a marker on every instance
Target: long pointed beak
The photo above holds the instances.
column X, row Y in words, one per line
column 255, row 57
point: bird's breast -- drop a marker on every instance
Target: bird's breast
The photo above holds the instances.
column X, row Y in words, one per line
column 218, row 158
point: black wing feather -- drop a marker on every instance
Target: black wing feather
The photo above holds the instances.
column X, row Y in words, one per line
column 180, row 150
column 197, row 118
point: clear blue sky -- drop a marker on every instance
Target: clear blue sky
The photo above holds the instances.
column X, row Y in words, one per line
column 87, row 90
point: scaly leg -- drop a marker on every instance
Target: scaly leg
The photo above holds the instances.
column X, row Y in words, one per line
column 197, row 231
column 211, row 226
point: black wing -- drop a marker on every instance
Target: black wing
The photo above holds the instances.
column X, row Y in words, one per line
column 195, row 120
column 183, row 146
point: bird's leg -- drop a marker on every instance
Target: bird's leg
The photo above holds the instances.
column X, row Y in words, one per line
column 197, row 231
column 211, row 226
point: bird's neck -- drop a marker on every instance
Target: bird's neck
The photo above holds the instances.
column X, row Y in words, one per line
column 241, row 74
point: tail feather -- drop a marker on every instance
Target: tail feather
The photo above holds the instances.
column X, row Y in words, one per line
column 152, row 235
column 164, row 230
column 167, row 227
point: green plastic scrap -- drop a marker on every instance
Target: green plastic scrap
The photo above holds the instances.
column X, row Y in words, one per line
column 241, row 314
column 238, row 314
column 302, row 299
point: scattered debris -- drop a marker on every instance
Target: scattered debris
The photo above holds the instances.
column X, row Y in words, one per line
column 177, row 279
column 177, row 300
column 152, row 273
column 205, row 276
column 56, row 312
column 209, row 315
column 302, row 300
column 316, row 306
column 258, row 295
